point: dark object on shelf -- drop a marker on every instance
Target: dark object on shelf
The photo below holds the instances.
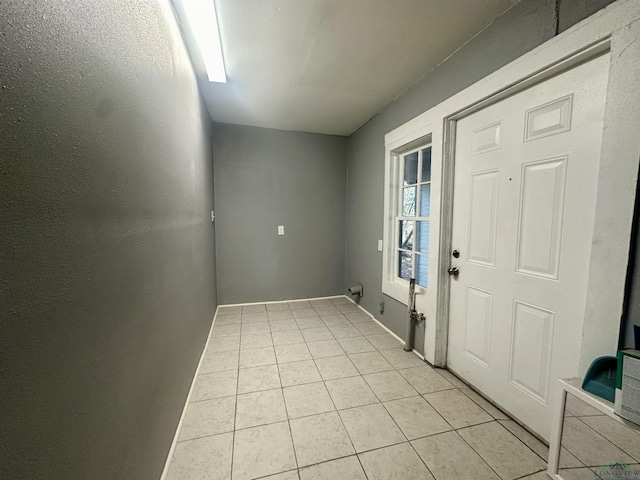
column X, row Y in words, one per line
column 601, row 378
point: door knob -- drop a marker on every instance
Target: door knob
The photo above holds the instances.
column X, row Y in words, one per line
column 455, row 254
column 453, row 271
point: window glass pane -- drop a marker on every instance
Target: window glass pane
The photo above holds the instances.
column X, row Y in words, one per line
column 406, row 235
column 425, row 200
column 423, row 237
column 404, row 265
column 426, row 165
column 409, row 202
column 411, row 169
column 422, row 265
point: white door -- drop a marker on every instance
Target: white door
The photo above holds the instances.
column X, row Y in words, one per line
column 524, row 203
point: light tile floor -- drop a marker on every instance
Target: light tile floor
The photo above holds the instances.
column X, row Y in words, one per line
column 317, row 390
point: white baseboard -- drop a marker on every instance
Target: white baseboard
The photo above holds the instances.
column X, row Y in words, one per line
column 165, row 471
column 280, row 301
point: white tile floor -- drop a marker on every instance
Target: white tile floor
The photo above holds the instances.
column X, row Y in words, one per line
column 317, row 390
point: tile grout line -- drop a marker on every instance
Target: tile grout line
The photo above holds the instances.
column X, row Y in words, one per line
column 286, row 411
column 413, row 350
column 323, row 380
column 470, row 426
column 336, row 408
column 603, row 437
column 284, row 401
column 478, row 453
column 529, row 474
column 338, row 411
column 266, row 477
column 174, row 442
column 265, row 390
column 476, row 425
column 478, row 404
column 278, row 368
column 580, row 468
column 355, row 451
column 401, row 431
column 235, row 414
column 357, row 454
column 530, row 448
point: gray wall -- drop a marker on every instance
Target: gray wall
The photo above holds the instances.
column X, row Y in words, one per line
column 524, row 27
column 107, row 284
column 571, row 12
column 631, row 314
column 265, row 178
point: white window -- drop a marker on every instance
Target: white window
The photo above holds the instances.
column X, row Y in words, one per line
column 412, row 216
column 407, row 218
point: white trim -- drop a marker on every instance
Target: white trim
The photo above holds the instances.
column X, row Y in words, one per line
column 393, row 286
column 167, row 462
column 614, row 27
column 282, row 301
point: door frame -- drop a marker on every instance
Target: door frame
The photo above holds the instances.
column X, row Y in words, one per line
column 615, row 29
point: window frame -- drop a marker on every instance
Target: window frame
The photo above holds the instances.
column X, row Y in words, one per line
column 417, row 217
column 392, row 285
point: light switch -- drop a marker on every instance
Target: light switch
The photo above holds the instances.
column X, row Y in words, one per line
column 213, row 216
column 379, row 245
column 280, row 229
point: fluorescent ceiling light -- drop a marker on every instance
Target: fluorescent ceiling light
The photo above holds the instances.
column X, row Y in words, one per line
column 201, row 15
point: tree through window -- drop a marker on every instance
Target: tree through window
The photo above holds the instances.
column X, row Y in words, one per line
column 412, row 216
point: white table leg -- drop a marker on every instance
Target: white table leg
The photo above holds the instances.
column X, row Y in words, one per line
column 556, row 435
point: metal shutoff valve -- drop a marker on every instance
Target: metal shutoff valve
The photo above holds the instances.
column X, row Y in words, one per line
column 417, row 317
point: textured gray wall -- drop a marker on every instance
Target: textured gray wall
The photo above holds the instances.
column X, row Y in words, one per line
column 573, row 11
column 631, row 314
column 265, row 178
column 524, row 27
column 107, row 283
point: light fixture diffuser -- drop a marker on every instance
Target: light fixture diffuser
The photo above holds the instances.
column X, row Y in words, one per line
column 203, row 22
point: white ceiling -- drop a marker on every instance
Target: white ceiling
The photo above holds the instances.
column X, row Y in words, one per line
column 328, row 66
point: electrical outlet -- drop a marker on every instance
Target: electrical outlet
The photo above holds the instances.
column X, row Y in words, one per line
column 280, row 229
column 379, row 245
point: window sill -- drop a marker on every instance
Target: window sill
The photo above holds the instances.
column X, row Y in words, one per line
column 399, row 290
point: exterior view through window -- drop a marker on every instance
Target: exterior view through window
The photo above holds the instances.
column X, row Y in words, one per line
column 412, row 221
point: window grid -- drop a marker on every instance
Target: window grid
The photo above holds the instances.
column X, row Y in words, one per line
column 414, row 214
